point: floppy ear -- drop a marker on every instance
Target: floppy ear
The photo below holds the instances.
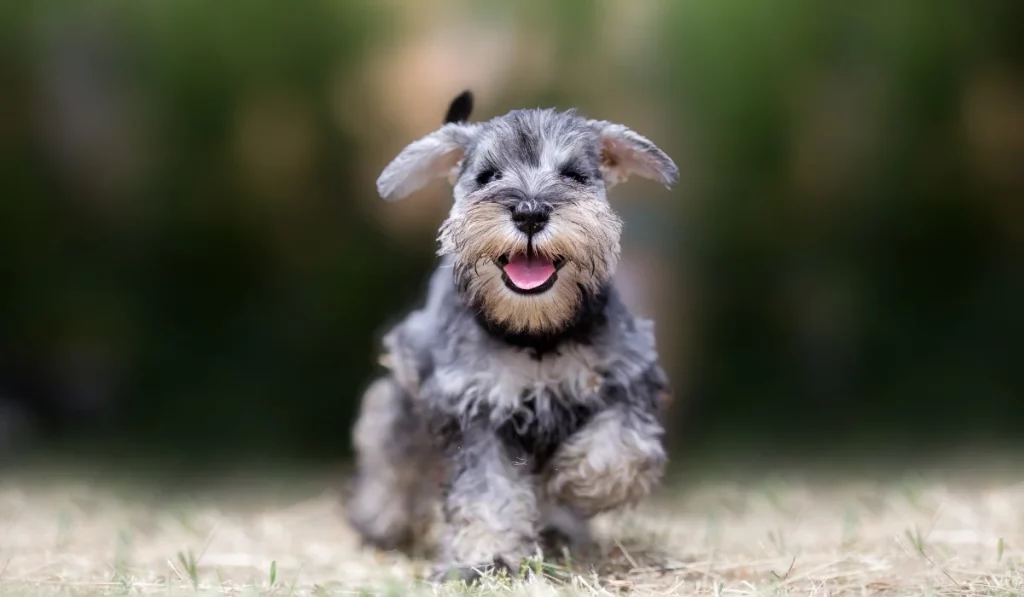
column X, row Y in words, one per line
column 625, row 152
column 433, row 156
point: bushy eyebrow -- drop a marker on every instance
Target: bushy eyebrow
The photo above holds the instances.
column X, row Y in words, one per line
column 487, row 164
column 579, row 164
column 572, row 162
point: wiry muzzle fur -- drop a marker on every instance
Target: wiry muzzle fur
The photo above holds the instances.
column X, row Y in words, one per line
column 581, row 236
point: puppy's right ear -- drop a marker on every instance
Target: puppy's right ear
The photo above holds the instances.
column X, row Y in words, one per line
column 433, row 156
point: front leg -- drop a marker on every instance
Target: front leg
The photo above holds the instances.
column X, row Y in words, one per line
column 490, row 507
column 616, row 459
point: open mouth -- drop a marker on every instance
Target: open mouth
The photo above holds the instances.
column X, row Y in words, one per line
column 529, row 273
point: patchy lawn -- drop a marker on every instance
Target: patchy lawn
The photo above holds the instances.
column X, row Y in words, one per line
column 766, row 538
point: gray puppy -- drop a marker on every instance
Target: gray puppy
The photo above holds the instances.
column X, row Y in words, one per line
column 523, row 395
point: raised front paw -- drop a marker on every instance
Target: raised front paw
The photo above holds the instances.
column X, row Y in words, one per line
column 616, row 460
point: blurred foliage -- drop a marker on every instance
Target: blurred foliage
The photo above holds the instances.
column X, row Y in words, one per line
column 241, row 318
column 861, row 261
column 182, row 211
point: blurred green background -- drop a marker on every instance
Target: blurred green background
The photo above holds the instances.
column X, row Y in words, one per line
column 196, row 268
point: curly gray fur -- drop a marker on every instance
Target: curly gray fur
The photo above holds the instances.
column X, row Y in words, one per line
column 534, row 411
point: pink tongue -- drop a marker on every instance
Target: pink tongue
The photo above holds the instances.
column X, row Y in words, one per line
column 529, row 273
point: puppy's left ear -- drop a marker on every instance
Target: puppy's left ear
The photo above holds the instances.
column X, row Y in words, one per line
column 433, row 156
column 625, row 152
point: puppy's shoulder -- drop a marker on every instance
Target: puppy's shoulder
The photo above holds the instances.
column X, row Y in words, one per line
column 412, row 347
column 626, row 337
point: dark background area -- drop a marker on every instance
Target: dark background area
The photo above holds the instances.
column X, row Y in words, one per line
column 195, row 268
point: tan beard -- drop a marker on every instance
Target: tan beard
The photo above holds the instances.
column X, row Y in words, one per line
column 585, row 234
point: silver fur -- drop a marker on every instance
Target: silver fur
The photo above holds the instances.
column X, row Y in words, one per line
column 535, row 411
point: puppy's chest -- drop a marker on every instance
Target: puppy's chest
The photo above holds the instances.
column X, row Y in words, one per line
column 533, row 431
column 532, row 404
column 511, row 380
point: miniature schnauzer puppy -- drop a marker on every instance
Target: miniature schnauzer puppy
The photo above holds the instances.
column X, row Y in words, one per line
column 523, row 394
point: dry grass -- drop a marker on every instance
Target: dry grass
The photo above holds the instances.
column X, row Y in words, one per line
column 718, row 539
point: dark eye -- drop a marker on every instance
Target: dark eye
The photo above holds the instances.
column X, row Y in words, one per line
column 574, row 175
column 487, row 177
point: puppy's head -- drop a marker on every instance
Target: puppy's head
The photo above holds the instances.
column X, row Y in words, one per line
column 531, row 230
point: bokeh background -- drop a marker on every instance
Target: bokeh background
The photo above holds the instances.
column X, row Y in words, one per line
column 195, row 268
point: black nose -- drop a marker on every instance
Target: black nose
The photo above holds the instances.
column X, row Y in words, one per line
column 530, row 216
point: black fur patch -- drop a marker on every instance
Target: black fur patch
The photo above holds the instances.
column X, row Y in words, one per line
column 532, row 439
column 460, row 109
column 590, row 317
column 525, row 144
